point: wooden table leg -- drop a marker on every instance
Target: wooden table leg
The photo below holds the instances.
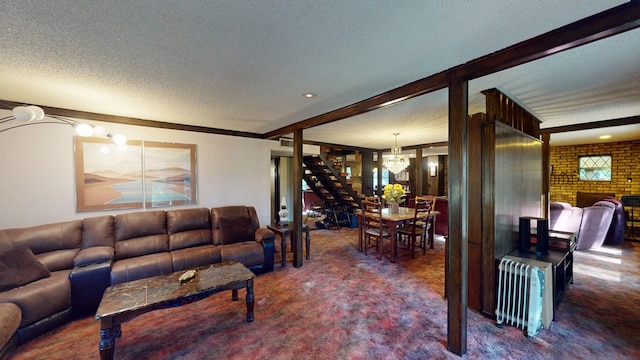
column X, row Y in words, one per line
column 250, row 300
column 432, row 231
column 360, row 230
column 283, row 248
column 308, row 241
column 108, row 335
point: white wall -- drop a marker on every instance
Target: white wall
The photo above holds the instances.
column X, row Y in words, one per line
column 37, row 180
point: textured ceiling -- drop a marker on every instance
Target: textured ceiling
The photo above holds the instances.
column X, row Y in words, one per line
column 244, row 65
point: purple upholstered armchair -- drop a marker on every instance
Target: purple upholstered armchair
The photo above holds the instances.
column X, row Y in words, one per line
column 595, row 226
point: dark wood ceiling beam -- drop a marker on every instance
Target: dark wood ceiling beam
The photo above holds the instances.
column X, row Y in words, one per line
column 338, row 146
column 599, row 26
column 405, row 92
column 9, row 105
column 596, row 27
column 631, row 120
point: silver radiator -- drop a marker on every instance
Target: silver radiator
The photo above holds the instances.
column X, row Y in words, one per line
column 525, row 294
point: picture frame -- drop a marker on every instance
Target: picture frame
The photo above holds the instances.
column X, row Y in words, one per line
column 108, row 176
column 136, row 175
column 170, row 174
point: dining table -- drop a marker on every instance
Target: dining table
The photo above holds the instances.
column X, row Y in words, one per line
column 393, row 221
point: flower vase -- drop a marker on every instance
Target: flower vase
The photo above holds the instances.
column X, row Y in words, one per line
column 394, row 207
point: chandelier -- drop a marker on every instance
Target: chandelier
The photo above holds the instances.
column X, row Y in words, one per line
column 396, row 162
column 34, row 115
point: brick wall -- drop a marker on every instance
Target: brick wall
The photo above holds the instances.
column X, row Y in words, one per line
column 356, row 175
column 625, row 158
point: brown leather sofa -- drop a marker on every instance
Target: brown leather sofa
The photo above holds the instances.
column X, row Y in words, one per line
column 64, row 268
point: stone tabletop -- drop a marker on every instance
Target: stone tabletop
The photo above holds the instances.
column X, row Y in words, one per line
column 158, row 290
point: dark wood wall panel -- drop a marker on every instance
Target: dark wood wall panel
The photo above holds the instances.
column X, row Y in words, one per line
column 475, row 207
column 506, row 110
column 511, row 187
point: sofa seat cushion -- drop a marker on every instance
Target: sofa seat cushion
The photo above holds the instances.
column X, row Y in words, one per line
column 19, row 267
column 249, row 253
column 94, row 255
column 42, row 298
column 10, row 318
column 196, row 256
column 141, row 267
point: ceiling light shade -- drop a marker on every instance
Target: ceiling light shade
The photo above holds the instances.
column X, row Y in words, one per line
column 396, row 162
column 32, row 114
column 23, row 113
column 119, row 139
column 100, row 131
column 38, row 113
column 84, row 130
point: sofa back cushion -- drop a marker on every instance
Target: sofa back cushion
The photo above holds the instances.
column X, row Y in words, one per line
column 188, row 228
column 595, row 225
column 98, row 231
column 54, row 245
column 564, row 217
column 140, row 233
column 233, row 224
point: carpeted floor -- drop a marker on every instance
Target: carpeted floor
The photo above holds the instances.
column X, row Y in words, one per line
column 344, row 305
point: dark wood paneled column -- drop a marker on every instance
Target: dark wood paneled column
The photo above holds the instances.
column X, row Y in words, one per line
column 474, row 188
column 546, row 173
column 419, row 172
column 297, row 197
column 458, row 217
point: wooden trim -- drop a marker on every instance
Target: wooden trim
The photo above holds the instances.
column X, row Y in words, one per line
column 76, row 114
column 631, row 120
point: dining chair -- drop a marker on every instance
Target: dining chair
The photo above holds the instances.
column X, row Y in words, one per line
column 372, row 225
column 417, row 229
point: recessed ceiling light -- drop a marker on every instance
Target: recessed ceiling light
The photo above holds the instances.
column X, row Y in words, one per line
column 309, row 95
column 605, row 137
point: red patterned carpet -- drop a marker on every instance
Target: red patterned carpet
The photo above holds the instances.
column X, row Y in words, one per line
column 344, row 305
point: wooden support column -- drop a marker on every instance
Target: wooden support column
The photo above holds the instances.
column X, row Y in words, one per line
column 546, row 173
column 458, row 217
column 297, row 198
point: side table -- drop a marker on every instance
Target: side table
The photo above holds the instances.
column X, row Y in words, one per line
column 284, row 230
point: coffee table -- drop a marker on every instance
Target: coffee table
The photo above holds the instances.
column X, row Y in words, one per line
column 126, row 301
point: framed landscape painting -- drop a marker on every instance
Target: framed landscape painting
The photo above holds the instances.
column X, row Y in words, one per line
column 136, row 175
column 108, row 176
column 169, row 171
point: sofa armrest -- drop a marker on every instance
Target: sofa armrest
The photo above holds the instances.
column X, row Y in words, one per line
column 94, row 255
column 87, row 286
column 267, row 238
column 263, row 234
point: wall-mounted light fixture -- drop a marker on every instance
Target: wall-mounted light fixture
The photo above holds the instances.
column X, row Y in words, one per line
column 34, row 115
column 433, row 169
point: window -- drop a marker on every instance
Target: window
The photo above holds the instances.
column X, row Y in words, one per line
column 385, row 177
column 594, row 168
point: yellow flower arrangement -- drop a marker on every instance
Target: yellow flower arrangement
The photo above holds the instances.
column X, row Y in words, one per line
column 394, row 193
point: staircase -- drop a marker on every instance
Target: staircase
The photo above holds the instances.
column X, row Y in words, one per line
column 329, row 184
